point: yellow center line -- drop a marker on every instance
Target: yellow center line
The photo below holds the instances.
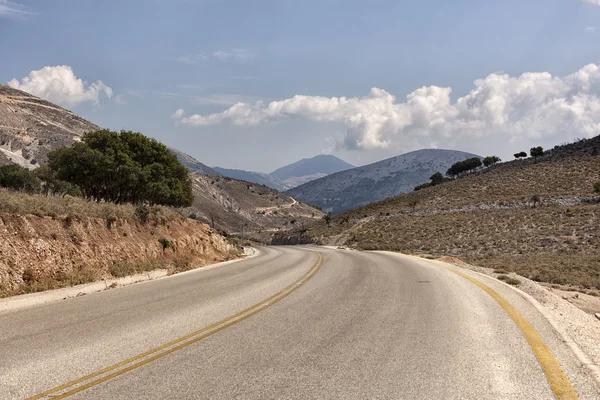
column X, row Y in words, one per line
column 181, row 342
column 558, row 380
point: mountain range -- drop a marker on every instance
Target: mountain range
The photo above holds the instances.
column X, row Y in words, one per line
column 291, row 175
column 373, row 182
column 30, row 128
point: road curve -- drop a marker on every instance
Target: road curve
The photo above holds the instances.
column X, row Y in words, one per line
column 293, row 322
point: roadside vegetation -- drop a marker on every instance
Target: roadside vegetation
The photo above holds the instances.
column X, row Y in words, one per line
column 538, row 217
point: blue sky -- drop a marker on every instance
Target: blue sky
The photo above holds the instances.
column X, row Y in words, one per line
column 202, row 57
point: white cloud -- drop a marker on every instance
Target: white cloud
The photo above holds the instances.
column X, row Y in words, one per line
column 532, row 106
column 237, row 55
column 11, row 9
column 594, row 2
column 590, row 29
column 60, row 85
column 177, row 115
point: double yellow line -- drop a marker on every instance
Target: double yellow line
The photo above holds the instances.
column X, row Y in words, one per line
column 105, row 374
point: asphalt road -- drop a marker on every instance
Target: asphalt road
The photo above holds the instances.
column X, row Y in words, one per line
column 292, row 322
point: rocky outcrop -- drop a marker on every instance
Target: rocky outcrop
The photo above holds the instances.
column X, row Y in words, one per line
column 60, row 251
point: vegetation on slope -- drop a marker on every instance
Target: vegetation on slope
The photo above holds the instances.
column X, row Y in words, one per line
column 538, row 217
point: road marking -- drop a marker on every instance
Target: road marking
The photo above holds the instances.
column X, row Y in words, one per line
column 177, row 344
column 558, row 380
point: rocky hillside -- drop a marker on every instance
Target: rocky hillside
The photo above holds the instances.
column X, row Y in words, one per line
column 192, row 164
column 539, row 218
column 363, row 185
column 31, row 127
column 254, row 177
column 50, row 242
column 230, row 204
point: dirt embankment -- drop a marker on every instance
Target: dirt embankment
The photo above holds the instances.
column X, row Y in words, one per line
column 40, row 253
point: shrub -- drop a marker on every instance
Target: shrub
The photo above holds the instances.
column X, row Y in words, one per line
column 142, row 213
column 18, row 178
column 125, row 167
column 597, row 187
column 164, row 243
column 520, row 155
column 491, row 160
column 509, row 280
column 536, row 152
column 464, row 166
column 436, row 178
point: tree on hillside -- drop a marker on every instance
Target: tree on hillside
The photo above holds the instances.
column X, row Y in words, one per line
column 327, row 218
column 536, row 152
column 520, row 155
column 461, row 167
column 18, row 178
column 52, row 186
column 123, row 167
column 491, row 160
column 437, row 178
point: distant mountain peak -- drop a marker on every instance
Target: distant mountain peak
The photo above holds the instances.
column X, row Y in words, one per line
column 320, row 164
column 373, row 182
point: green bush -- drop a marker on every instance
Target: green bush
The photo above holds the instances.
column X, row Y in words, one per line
column 164, row 243
column 536, row 152
column 124, row 167
column 597, row 187
column 18, row 178
column 491, row 160
column 464, row 166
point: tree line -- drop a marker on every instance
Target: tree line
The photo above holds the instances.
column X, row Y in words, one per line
column 469, row 165
column 119, row 167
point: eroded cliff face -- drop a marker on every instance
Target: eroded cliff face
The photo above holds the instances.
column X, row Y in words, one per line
column 38, row 253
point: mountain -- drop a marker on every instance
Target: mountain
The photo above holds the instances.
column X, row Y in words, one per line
column 192, row 164
column 309, row 169
column 255, row 177
column 537, row 217
column 30, row 128
column 362, row 185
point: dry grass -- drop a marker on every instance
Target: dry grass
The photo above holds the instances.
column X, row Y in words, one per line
column 18, row 203
column 551, row 244
column 502, row 186
column 489, row 219
column 35, row 283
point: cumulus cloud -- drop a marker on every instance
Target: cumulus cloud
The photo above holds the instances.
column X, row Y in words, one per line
column 533, row 105
column 10, row 9
column 60, row 85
